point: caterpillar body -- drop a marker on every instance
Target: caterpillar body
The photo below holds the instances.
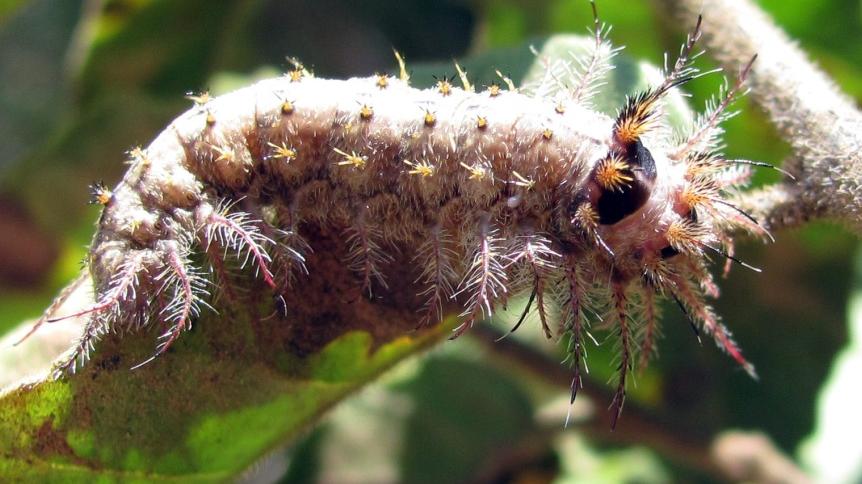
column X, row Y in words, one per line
column 489, row 192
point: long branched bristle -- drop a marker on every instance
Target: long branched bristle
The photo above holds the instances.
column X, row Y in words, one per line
column 96, row 327
column 640, row 111
column 706, row 132
column 485, row 280
column 186, row 287
column 649, row 330
column 238, row 232
column 58, row 302
column 365, row 257
column 435, row 256
column 694, row 307
column 624, row 343
column 223, row 279
column 289, row 256
column 593, row 68
column 121, row 289
column 572, row 319
column 534, row 252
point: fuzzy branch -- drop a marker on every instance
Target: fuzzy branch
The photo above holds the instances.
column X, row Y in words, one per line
column 821, row 124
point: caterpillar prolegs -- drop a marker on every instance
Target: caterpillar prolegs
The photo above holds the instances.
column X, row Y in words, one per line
column 488, row 193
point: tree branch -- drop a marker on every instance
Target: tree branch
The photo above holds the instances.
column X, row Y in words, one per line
column 809, row 111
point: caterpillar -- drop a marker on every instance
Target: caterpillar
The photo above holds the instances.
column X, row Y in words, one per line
column 491, row 192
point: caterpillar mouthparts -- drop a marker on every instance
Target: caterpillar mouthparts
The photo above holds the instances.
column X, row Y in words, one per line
column 490, row 193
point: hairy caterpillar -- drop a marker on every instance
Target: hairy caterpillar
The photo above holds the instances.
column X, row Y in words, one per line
column 500, row 191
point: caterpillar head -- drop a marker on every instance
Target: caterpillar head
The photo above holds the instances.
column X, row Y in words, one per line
column 629, row 196
column 646, row 214
column 650, row 196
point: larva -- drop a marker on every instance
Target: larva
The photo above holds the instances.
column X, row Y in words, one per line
column 490, row 192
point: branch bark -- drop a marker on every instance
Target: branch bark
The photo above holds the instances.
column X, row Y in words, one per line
column 810, row 112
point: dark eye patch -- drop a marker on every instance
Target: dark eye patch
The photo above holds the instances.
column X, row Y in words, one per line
column 615, row 205
column 668, row 252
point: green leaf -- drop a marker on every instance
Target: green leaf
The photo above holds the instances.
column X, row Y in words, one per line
column 204, row 412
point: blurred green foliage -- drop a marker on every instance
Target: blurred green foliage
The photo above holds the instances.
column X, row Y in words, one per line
column 81, row 82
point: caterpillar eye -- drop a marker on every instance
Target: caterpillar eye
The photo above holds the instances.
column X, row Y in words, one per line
column 626, row 181
column 668, row 252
